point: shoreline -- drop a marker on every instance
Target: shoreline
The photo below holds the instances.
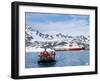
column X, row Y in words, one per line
column 41, row 50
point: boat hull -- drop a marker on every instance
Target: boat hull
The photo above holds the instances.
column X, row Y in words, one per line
column 46, row 61
column 69, row 49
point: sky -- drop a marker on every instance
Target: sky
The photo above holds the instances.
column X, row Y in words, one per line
column 69, row 24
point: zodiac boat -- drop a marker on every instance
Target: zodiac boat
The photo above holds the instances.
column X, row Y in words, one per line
column 46, row 57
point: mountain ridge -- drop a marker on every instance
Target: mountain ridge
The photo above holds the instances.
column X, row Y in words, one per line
column 35, row 38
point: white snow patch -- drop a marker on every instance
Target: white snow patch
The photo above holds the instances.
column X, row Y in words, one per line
column 32, row 49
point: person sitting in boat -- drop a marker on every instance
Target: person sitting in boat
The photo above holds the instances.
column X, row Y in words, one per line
column 45, row 53
column 41, row 55
column 52, row 55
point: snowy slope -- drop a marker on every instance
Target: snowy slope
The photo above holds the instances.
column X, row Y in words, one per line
column 38, row 40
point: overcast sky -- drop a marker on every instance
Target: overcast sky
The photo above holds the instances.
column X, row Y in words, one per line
column 58, row 23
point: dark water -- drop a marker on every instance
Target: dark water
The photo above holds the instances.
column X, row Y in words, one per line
column 63, row 58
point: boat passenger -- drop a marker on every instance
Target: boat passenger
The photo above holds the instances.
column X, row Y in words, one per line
column 52, row 55
column 45, row 53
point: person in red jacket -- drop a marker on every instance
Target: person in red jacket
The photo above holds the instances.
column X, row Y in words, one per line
column 45, row 53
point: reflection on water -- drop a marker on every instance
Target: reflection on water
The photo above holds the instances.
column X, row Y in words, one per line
column 63, row 58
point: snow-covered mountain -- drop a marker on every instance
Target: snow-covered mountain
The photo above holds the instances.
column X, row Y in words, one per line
column 37, row 39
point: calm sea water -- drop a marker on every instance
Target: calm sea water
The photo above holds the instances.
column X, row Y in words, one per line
column 63, row 58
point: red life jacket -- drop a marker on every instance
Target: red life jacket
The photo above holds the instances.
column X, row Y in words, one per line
column 45, row 53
